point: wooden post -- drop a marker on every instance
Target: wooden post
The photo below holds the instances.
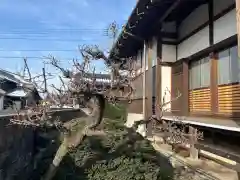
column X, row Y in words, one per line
column 238, row 24
column 193, row 141
column 149, row 87
column 214, row 83
column 185, row 89
column 45, row 81
column 165, row 131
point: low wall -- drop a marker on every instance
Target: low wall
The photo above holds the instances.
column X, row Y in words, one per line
column 17, row 146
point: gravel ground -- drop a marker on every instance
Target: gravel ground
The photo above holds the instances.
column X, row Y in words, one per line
column 188, row 169
column 182, row 173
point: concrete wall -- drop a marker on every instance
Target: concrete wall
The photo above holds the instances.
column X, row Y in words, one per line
column 17, row 147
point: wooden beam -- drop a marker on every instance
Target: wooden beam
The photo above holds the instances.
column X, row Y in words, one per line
column 144, row 80
column 167, row 13
column 170, row 10
column 238, row 24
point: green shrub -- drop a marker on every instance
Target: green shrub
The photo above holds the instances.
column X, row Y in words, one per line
column 115, row 111
column 120, row 155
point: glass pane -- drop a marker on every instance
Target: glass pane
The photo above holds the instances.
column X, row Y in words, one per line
column 196, row 76
column 234, row 65
column 190, row 78
column 224, row 68
column 205, row 72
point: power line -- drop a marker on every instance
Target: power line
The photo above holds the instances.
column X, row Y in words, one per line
column 48, row 39
column 59, row 29
column 46, row 33
column 33, row 57
column 38, row 50
column 45, row 50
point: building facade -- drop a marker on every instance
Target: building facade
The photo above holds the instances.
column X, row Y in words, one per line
column 15, row 92
column 189, row 55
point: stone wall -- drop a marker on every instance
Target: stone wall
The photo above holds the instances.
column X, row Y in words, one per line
column 17, row 147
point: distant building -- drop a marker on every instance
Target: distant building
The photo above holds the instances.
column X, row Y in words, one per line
column 15, row 92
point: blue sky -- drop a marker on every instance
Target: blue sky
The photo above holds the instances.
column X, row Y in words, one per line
column 55, row 25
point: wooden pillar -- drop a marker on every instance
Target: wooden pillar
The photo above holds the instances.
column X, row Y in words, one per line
column 185, row 89
column 238, row 24
column 149, row 88
column 149, row 80
column 214, row 83
column 213, row 60
column 144, row 80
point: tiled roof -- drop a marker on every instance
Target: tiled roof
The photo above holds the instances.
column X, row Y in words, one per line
column 17, row 93
column 13, row 77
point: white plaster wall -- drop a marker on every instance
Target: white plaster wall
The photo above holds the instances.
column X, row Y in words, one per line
column 154, row 51
column 198, row 17
column 169, row 27
column 133, row 117
column 220, row 5
column 225, row 27
column 168, row 39
column 169, row 53
column 166, row 86
column 194, row 44
column 139, row 56
column 1, row 102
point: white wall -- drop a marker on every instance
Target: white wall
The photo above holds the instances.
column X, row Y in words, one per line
column 194, row 44
column 1, row 102
column 198, row 17
column 198, row 41
column 132, row 118
column 169, row 27
column 166, row 85
column 154, row 51
column 220, row 5
column 169, row 53
column 139, row 57
column 225, row 27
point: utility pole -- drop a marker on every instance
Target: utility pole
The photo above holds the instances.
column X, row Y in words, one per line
column 28, row 70
column 44, row 79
